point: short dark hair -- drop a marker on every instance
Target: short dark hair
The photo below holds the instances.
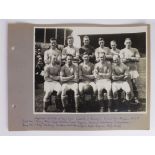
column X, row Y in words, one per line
column 86, row 37
column 100, row 39
column 117, row 56
column 69, row 37
column 53, row 39
column 69, row 55
column 85, row 53
column 127, row 39
column 102, row 54
column 113, row 41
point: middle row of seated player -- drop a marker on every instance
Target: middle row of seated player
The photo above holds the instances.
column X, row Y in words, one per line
column 99, row 76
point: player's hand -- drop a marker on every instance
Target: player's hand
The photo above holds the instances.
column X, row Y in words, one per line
column 81, row 78
column 130, row 58
column 42, row 73
column 47, row 62
column 125, row 77
column 125, row 60
column 98, row 77
column 76, row 80
column 134, row 59
column 72, row 76
column 114, row 78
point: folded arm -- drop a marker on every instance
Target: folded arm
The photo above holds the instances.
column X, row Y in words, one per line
column 66, row 79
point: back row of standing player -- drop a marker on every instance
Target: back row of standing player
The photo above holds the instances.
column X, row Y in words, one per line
column 125, row 64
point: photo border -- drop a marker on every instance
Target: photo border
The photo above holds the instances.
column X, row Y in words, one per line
column 101, row 26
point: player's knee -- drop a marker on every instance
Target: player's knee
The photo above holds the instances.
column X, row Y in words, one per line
column 88, row 89
column 115, row 93
column 64, row 92
column 100, row 91
column 128, row 90
column 109, row 93
column 95, row 89
column 100, row 97
column 76, row 92
column 134, row 80
column 46, row 97
column 59, row 92
column 48, row 93
column 80, row 89
column 128, row 95
column 109, row 96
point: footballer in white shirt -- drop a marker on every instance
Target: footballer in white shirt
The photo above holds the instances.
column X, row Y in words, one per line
column 130, row 56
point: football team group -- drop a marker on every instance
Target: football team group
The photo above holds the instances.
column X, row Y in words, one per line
column 100, row 75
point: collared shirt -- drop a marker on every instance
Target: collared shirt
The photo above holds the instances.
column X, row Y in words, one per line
column 90, row 50
column 70, row 50
column 67, row 71
column 53, row 70
column 128, row 53
column 102, row 68
column 100, row 50
column 120, row 69
column 49, row 53
column 86, row 69
column 114, row 52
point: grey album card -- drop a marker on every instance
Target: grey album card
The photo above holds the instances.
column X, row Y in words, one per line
column 78, row 77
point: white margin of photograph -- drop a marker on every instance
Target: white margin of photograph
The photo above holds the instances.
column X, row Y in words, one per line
column 72, row 113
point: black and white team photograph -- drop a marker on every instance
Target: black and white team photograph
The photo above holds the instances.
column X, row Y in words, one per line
column 90, row 69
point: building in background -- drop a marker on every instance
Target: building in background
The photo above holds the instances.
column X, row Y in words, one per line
column 43, row 35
